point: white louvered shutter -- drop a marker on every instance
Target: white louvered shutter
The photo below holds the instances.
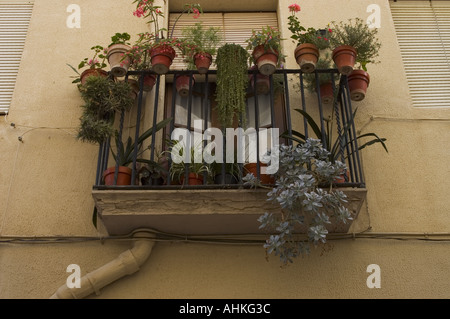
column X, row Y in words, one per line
column 236, row 27
column 14, row 21
column 423, row 33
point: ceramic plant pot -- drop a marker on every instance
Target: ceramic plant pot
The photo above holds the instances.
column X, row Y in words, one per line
column 344, row 57
column 266, row 60
column 123, row 176
column 92, row 72
column 262, row 83
column 306, row 55
column 117, row 60
column 161, row 58
column 253, row 169
column 203, row 61
column 182, row 84
column 326, row 93
column 358, row 82
column 193, row 179
column 149, row 82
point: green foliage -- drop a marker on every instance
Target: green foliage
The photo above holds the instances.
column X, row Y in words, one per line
column 232, row 83
column 120, row 38
column 269, row 38
column 324, row 62
column 302, row 202
column 96, row 62
column 334, row 147
column 102, row 98
column 356, row 33
column 196, row 166
column 125, row 151
column 300, row 34
column 199, row 39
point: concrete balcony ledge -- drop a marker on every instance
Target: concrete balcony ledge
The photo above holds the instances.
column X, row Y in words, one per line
column 196, row 211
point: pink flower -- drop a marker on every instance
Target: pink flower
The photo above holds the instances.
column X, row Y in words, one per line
column 196, row 13
column 294, row 8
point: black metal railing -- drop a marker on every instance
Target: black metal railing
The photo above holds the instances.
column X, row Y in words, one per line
column 287, row 91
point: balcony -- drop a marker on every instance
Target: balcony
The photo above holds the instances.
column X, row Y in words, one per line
column 219, row 206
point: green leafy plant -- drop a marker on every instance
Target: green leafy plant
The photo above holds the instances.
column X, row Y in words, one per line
column 102, row 98
column 356, row 33
column 178, row 167
column 232, row 83
column 198, row 41
column 120, row 38
column 324, row 62
column 303, row 200
column 334, row 147
column 125, row 151
column 269, row 38
column 300, row 34
column 96, row 62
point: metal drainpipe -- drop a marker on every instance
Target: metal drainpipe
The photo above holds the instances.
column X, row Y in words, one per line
column 126, row 263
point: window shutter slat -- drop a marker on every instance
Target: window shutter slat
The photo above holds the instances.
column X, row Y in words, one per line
column 14, row 21
column 423, row 33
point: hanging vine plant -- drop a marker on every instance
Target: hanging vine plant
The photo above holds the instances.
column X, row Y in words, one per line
column 232, row 82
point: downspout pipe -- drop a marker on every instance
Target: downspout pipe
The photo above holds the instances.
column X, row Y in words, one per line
column 126, row 263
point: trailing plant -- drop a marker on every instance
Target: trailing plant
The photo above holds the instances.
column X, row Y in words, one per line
column 303, row 198
column 232, row 83
column 356, row 33
column 102, row 98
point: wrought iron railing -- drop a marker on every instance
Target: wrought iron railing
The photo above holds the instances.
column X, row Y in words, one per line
column 334, row 118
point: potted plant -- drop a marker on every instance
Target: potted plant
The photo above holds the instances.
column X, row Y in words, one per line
column 139, row 57
column 200, row 46
column 266, row 49
column 304, row 199
column 116, row 54
column 306, row 53
column 102, row 98
column 96, row 65
column 353, row 42
column 324, row 80
column 194, row 164
column 163, row 47
column 124, row 155
column 335, row 147
column 232, row 83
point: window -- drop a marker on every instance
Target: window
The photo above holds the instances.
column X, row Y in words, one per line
column 14, row 21
column 423, row 32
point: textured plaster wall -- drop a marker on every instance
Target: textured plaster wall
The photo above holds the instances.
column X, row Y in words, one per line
column 46, row 181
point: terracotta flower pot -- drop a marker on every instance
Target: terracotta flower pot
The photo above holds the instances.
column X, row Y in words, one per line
column 253, row 169
column 262, row 83
column 134, row 88
column 265, row 60
column 92, row 72
column 358, row 82
column 326, row 93
column 193, row 179
column 203, row 61
column 123, row 176
column 161, row 58
column 344, row 57
column 306, row 55
column 182, row 84
column 149, row 82
column 341, row 178
column 119, row 64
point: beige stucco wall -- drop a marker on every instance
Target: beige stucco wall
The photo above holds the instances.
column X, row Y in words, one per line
column 46, row 181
